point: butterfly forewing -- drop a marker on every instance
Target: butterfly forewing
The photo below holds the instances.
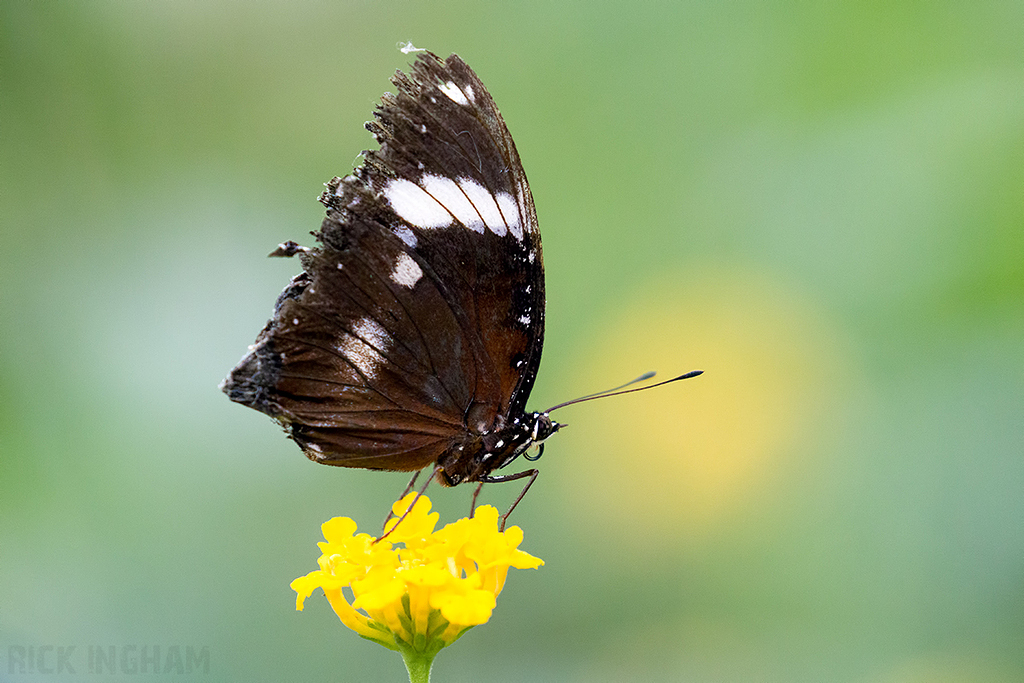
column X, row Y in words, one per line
column 450, row 170
column 419, row 318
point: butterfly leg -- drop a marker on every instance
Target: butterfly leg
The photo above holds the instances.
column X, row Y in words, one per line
column 472, row 503
column 419, row 494
column 497, row 479
column 412, row 482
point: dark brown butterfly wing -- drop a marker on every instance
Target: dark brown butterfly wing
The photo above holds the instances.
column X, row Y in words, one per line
column 418, row 322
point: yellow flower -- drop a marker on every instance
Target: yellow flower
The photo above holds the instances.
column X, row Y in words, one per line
column 422, row 596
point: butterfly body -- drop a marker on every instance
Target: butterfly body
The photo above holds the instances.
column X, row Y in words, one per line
column 414, row 333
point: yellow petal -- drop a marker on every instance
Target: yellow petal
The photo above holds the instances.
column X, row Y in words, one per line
column 430, row 575
column 350, row 617
column 304, row 587
column 379, row 589
column 469, row 609
column 417, row 525
column 338, row 529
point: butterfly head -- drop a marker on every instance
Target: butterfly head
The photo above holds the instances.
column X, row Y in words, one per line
column 537, row 427
column 543, row 427
column 483, row 454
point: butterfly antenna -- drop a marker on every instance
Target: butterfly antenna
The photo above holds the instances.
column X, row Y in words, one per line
column 419, row 494
column 642, row 378
column 617, row 391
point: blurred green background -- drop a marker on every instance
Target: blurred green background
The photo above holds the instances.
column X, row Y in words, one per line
column 819, row 204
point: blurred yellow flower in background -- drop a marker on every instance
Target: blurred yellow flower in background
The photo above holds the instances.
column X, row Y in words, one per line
column 685, row 460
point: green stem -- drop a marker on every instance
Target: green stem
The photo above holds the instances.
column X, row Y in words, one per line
column 418, row 664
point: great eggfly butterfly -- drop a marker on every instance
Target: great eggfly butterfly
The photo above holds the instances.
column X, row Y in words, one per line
column 413, row 335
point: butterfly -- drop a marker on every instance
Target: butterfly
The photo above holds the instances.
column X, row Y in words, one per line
column 413, row 336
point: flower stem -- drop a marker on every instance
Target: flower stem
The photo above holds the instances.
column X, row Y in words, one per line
column 418, row 664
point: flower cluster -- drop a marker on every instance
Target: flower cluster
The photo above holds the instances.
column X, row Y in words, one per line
column 421, row 597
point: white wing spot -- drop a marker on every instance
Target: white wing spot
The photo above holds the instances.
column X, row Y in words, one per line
column 295, row 321
column 370, row 330
column 453, row 93
column 532, row 257
column 523, row 192
column 510, row 211
column 364, row 354
column 524, row 319
column 423, row 128
column 406, row 272
column 339, row 266
column 450, row 196
column 415, row 206
column 406, row 235
column 470, row 94
column 485, row 205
